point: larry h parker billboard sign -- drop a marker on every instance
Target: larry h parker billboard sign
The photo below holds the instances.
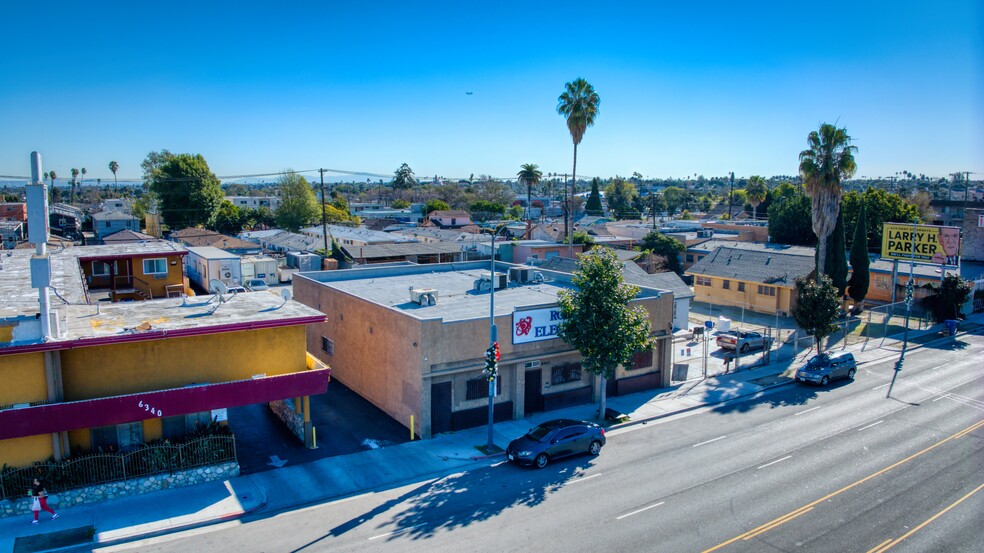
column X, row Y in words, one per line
column 921, row 243
column 535, row 325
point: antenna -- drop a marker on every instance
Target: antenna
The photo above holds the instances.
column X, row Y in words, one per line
column 217, row 287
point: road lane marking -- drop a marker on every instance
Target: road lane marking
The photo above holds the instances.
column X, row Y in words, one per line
column 776, row 461
column 892, row 543
column 709, row 441
column 778, row 521
column 882, row 386
column 870, row 425
column 397, row 532
column 583, row 479
column 636, row 512
column 808, row 410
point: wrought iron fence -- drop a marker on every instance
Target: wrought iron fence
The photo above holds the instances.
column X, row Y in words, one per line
column 112, row 467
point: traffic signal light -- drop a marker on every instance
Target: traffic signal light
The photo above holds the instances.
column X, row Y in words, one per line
column 492, row 361
column 495, row 346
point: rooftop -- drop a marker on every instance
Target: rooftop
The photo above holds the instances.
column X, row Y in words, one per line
column 710, row 245
column 765, row 267
column 360, row 234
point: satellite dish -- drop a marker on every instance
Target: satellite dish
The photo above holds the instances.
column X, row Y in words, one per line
column 286, row 294
column 216, row 286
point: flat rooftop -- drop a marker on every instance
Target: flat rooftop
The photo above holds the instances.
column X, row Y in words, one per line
column 454, row 284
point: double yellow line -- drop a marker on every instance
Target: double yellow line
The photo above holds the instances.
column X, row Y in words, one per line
column 754, row 532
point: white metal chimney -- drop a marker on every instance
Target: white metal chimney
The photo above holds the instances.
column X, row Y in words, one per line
column 37, row 234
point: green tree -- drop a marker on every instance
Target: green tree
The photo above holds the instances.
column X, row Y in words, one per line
column 75, row 176
column 403, row 178
column 529, row 175
column 579, row 105
column 837, row 257
column 484, row 210
column 673, row 198
column 828, row 160
column 400, row 204
column 189, row 193
column 434, row 205
column 515, row 212
column 229, row 219
column 114, row 167
column 789, row 221
column 665, row 246
column 755, row 192
column 620, row 194
column 52, row 175
column 860, row 275
column 152, row 164
column 880, row 207
column 686, row 216
column 593, row 206
column 581, row 237
column 298, row 204
column 947, row 297
column 598, row 319
column 816, row 307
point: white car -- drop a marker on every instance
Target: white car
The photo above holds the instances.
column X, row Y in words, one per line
column 256, row 285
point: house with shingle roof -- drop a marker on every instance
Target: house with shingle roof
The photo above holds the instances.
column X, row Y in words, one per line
column 760, row 280
column 194, row 237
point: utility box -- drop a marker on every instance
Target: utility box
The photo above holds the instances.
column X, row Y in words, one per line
column 206, row 263
column 304, row 261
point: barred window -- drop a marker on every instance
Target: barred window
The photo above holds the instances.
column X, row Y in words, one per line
column 478, row 388
column 327, row 345
column 562, row 374
column 642, row 359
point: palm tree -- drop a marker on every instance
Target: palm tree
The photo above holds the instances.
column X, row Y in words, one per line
column 114, row 167
column 52, row 175
column 530, row 175
column 75, row 175
column 829, row 159
column 579, row 104
column 756, row 192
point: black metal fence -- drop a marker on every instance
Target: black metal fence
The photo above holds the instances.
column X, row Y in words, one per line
column 99, row 468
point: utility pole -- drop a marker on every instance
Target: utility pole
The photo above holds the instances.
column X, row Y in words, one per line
column 324, row 214
column 652, row 206
column 568, row 220
column 908, row 291
column 731, row 194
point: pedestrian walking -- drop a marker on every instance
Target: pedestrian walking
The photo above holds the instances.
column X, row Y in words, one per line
column 40, row 495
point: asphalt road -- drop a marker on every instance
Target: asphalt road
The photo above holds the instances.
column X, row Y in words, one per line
column 889, row 462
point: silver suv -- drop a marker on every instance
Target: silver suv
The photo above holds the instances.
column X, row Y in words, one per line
column 823, row 368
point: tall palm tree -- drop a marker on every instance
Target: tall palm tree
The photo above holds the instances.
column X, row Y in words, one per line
column 75, row 175
column 755, row 192
column 114, row 167
column 579, row 104
column 829, row 160
column 530, row 175
column 52, row 175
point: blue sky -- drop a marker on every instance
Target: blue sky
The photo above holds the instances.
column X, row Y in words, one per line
column 706, row 88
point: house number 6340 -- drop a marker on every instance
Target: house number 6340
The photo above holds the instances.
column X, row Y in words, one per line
column 149, row 409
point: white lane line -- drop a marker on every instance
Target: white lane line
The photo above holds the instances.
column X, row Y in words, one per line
column 709, row 441
column 776, row 461
column 583, row 479
column 882, row 386
column 639, row 510
column 808, row 410
column 394, row 533
column 870, row 425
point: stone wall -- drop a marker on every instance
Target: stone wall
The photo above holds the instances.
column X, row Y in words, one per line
column 115, row 490
column 284, row 409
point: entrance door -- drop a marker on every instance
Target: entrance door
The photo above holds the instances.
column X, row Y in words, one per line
column 440, row 408
column 533, row 398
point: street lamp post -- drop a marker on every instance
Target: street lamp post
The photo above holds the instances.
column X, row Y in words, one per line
column 909, row 291
column 492, row 352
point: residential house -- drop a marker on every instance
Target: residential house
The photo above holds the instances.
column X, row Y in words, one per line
column 105, row 223
column 349, row 236
column 450, row 219
column 199, row 237
column 880, row 280
column 255, row 202
column 763, row 281
column 411, row 339
column 66, row 220
column 434, row 234
column 11, row 233
column 127, row 236
column 13, row 211
column 132, row 271
column 700, row 249
column 413, row 252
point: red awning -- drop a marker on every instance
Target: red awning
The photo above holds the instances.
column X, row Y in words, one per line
column 72, row 415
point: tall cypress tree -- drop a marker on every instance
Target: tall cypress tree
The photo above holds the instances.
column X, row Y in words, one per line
column 836, row 258
column 593, row 205
column 860, row 277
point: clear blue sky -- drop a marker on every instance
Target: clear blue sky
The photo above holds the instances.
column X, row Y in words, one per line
column 685, row 87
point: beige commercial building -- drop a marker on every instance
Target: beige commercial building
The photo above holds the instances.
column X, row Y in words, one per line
column 411, row 339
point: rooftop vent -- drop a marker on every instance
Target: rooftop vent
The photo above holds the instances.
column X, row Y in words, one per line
column 423, row 296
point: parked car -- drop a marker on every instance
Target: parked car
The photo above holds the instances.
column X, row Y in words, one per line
column 237, row 290
column 256, row 285
column 823, row 368
column 555, row 439
column 743, row 340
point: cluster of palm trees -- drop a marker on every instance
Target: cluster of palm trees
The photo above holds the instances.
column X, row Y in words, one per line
column 78, row 176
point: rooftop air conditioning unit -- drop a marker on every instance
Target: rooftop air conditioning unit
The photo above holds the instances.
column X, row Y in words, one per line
column 525, row 275
column 423, row 296
column 501, row 281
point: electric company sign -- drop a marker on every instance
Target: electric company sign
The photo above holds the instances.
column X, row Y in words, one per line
column 535, row 325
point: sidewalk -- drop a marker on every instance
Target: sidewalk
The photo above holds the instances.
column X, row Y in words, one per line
column 336, row 477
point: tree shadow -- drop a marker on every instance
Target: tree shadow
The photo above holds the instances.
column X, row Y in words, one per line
column 796, row 395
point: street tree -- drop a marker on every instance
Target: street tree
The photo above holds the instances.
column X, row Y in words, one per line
column 824, row 165
column 947, row 297
column 816, row 307
column 857, row 286
column 665, row 246
column 403, row 178
column 529, row 176
column 755, row 192
column 598, row 319
column 114, row 167
column 298, row 204
column 75, row 176
column 880, row 207
column 189, row 193
column 579, row 105
column 620, row 195
column 593, row 205
column 434, row 205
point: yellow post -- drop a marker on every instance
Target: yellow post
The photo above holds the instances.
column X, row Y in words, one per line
column 411, row 428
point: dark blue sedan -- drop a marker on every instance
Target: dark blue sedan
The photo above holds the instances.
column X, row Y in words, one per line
column 555, row 439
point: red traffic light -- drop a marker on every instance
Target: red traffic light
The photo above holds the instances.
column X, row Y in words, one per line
column 495, row 346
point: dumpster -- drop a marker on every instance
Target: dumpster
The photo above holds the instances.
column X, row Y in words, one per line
column 951, row 327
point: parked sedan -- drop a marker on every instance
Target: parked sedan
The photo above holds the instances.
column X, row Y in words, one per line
column 555, row 439
column 256, row 285
column 743, row 340
column 823, row 368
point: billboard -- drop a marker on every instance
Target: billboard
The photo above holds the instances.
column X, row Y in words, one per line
column 921, row 243
column 535, row 324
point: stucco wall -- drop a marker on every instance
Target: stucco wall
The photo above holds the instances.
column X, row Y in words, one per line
column 22, row 379
column 784, row 300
